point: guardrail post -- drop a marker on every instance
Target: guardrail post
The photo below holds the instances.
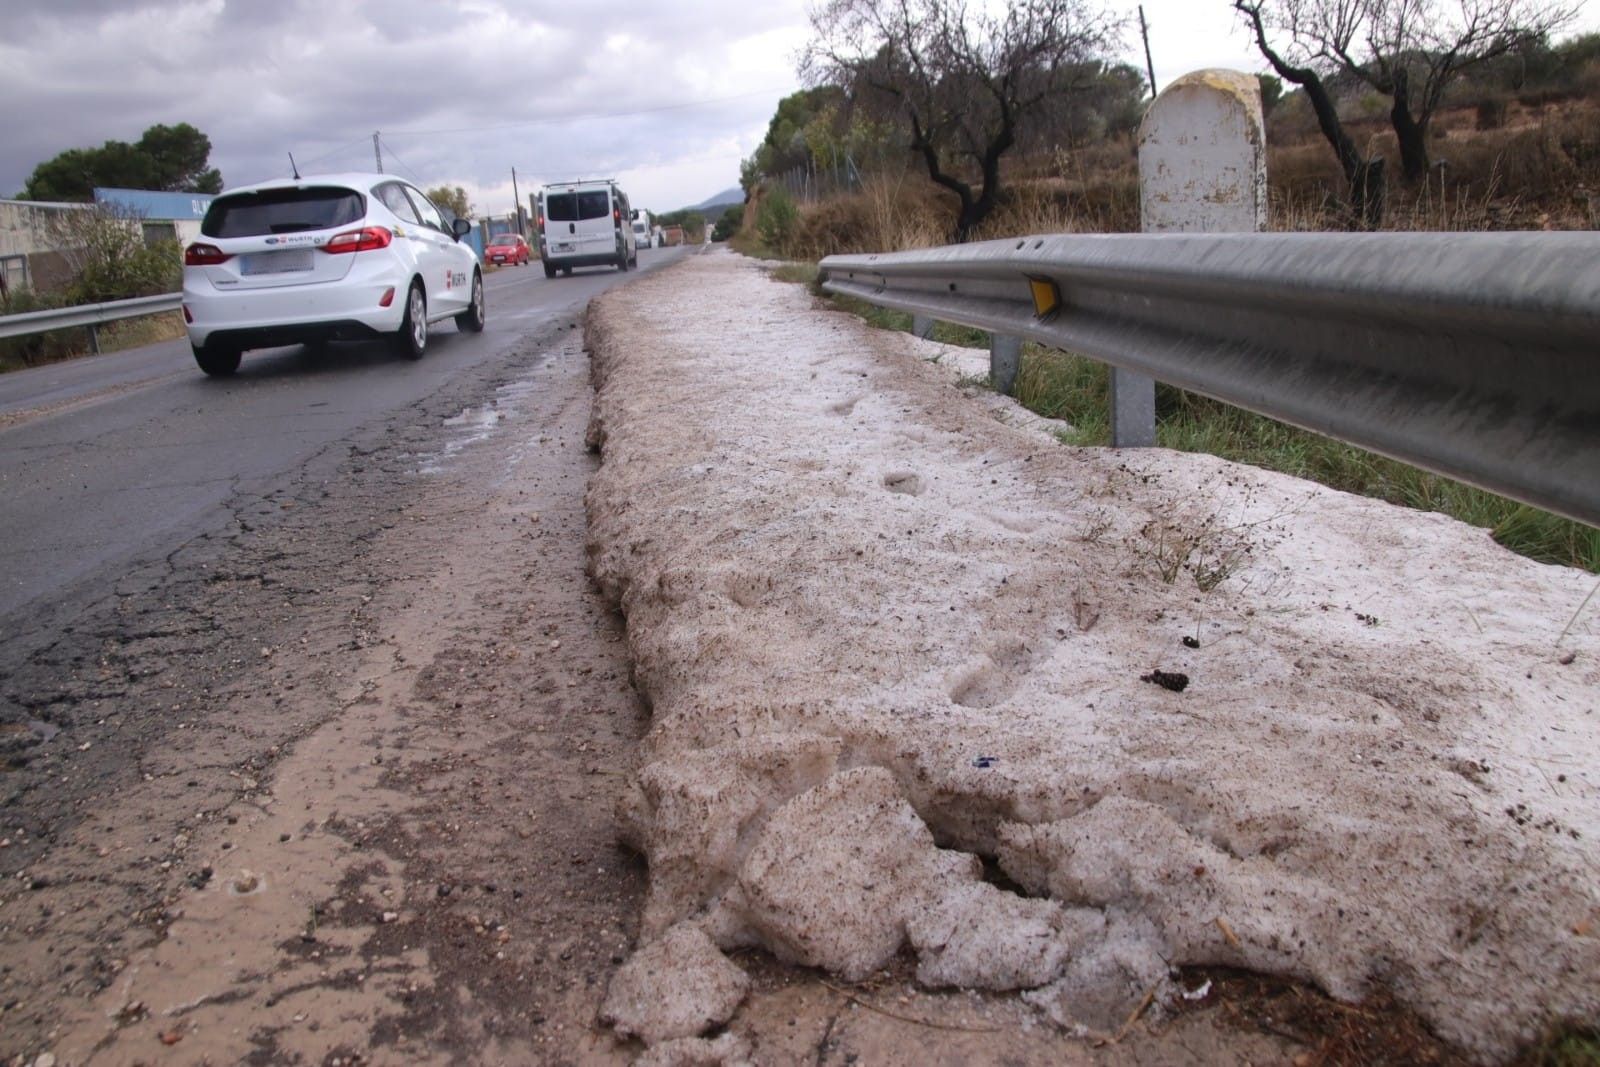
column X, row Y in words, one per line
column 1202, row 169
column 1005, row 357
column 94, row 339
column 922, row 326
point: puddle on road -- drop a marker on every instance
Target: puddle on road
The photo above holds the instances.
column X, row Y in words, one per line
column 474, row 424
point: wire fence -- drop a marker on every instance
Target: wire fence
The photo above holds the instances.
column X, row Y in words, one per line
column 812, row 182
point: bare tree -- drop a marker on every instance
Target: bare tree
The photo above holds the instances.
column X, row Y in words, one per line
column 964, row 81
column 1363, row 176
column 1408, row 50
column 1414, row 49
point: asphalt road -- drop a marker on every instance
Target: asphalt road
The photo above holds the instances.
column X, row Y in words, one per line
column 110, row 461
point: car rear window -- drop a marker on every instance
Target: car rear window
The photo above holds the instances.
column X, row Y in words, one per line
column 282, row 211
column 503, row 239
column 577, row 207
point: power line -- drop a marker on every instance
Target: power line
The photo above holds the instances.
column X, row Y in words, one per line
column 337, row 151
column 396, row 157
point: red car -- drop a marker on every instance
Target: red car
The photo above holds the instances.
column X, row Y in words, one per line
column 507, row 248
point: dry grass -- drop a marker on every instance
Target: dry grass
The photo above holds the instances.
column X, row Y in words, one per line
column 892, row 211
column 36, row 350
column 135, row 333
column 1538, row 169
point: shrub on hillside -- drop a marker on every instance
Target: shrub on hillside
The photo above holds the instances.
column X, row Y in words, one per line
column 1490, row 113
column 776, row 218
column 729, row 223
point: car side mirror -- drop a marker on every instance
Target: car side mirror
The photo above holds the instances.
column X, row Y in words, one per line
column 460, row 227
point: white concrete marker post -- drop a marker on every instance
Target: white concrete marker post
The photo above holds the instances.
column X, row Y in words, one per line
column 1202, row 169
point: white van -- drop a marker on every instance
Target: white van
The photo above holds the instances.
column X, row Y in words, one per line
column 641, row 228
column 584, row 224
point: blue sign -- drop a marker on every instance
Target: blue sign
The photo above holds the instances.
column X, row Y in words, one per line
column 156, row 206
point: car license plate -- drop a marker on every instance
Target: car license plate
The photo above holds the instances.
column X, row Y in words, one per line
column 563, row 246
column 285, row 262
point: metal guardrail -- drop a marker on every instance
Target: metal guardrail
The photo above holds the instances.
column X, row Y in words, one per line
column 90, row 315
column 1475, row 355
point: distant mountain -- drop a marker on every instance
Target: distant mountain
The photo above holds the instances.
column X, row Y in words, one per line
column 726, row 198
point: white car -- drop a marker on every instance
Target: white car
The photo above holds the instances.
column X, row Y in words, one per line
column 336, row 257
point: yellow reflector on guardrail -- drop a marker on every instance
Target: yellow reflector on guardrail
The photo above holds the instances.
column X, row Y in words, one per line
column 1046, row 297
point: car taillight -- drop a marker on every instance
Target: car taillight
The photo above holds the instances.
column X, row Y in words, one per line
column 363, row 240
column 616, row 216
column 541, row 221
column 201, row 255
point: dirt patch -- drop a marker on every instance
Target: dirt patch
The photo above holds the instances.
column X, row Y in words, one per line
column 814, row 638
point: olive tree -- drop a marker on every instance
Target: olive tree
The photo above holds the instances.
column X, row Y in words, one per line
column 963, row 80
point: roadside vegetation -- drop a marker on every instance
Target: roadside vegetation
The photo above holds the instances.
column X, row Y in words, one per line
column 107, row 259
column 1510, row 127
column 105, row 252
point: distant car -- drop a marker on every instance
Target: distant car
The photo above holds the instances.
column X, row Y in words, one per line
column 507, row 248
column 641, row 234
column 335, row 257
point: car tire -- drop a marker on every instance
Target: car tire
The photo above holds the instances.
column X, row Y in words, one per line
column 412, row 340
column 549, row 271
column 471, row 320
column 217, row 362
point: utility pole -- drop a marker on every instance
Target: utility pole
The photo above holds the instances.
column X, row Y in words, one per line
column 1149, row 64
column 516, row 200
column 377, row 153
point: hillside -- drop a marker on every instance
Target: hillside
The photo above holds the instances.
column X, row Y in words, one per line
column 716, row 203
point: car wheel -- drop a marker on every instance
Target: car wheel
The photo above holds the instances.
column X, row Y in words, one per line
column 412, row 340
column 217, row 362
column 549, row 271
column 471, row 320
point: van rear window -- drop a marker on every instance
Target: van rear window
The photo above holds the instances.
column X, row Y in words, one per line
column 577, row 207
column 282, row 211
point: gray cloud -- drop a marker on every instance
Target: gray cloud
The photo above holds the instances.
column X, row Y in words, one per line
column 462, row 91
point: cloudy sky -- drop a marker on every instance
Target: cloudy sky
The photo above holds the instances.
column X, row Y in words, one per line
column 667, row 96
